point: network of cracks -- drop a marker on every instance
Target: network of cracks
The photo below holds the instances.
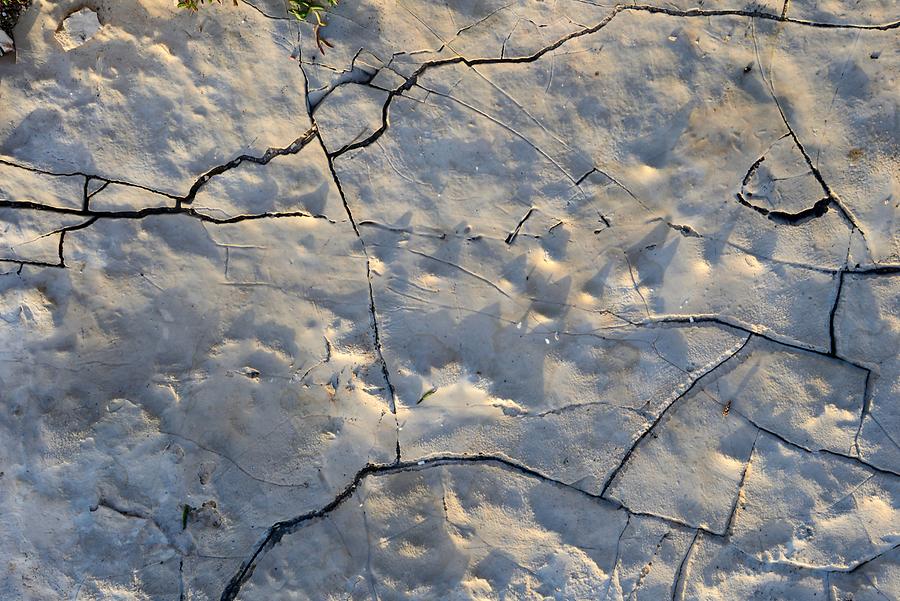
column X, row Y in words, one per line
column 495, row 300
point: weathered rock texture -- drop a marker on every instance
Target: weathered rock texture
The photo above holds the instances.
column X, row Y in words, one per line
column 493, row 300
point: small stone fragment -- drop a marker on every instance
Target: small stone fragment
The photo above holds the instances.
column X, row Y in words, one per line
column 6, row 44
column 77, row 28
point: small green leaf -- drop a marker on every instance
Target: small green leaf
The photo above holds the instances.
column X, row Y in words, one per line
column 185, row 512
column 426, row 395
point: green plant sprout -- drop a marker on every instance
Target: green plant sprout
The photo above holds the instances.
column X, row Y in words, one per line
column 300, row 9
column 185, row 514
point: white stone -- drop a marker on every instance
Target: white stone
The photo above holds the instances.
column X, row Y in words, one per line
column 78, row 28
column 6, row 44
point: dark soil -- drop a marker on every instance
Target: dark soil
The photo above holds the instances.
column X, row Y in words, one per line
column 10, row 10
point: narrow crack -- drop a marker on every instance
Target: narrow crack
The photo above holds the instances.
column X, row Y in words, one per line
column 62, row 239
column 136, row 514
column 508, row 128
column 867, row 561
column 647, row 567
column 821, row 206
column 353, row 75
column 373, row 313
column 634, row 283
column 750, row 329
column 866, row 408
column 150, row 211
column 87, row 176
column 94, row 216
column 737, row 498
column 618, row 9
column 784, row 8
column 587, row 174
column 293, row 148
column 462, row 269
column 513, row 234
column 298, row 144
column 807, row 450
column 89, row 195
column 181, row 591
column 700, row 12
column 616, row 557
column 818, row 209
column 753, row 168
column 265, row 14
column 833, row 312
column 231, row 461
column 379, row 350
column 304, row 139
column 378, row 347
column 863, row 413
column 875, row 270
column 821, row 571
column 85, row 196
column 439, row 235
column 663, row 413
column 689, row 232
column 279, row 530
column 677, row 586
column 128, row 513
column 884, row 430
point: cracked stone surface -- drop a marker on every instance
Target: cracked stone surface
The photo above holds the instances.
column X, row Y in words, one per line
column 492, row 300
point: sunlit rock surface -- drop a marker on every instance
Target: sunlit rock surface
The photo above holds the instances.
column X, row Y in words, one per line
column 492, row 300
